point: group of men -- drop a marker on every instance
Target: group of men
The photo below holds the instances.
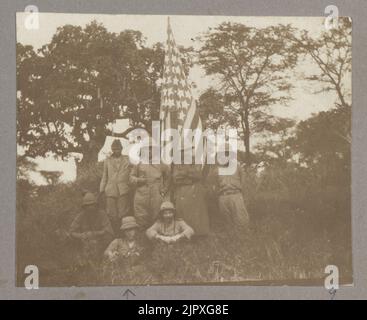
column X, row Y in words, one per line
column 166, row 203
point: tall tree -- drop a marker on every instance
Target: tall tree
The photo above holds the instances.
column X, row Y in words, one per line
column 252, row 66
column 320, row 143
column 214, row 112
column 321, row 138
column 275, row 146
column 332, row 54
column 71, row 89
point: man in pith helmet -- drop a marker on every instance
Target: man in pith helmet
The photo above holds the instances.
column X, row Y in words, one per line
column 91, row 229
column 168, row 228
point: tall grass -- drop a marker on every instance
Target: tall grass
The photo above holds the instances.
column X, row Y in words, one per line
column 299, row 225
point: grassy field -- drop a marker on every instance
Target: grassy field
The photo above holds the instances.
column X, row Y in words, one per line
column 299, row 225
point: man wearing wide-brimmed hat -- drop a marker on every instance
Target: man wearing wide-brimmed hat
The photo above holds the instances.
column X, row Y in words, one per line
column 126, row 246
column 91, row 228
column 115, row 185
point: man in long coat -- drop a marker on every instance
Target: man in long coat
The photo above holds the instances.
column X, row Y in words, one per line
column 190, row 197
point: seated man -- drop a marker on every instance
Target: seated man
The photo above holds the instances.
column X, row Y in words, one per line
column 167, row 228
column 126, row 246
column 91, row 229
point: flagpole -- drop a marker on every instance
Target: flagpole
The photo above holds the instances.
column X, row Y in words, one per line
column 171, row 192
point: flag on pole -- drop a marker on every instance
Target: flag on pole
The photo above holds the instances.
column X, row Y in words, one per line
column 178, row 108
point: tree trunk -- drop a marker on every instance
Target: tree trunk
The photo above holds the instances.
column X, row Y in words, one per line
column 89, row 161
column 341, row 97
column 246, row 133
column 247, row 141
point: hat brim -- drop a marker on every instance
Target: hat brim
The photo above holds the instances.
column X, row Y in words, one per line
column 168, row 209
column 89, row 203
column 129, row 226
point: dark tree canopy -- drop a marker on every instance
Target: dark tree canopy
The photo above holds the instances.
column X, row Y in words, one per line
column 214, row 112
column 324, row 137
column 73, row 87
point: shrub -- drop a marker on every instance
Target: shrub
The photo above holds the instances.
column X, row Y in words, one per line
column 298, row 226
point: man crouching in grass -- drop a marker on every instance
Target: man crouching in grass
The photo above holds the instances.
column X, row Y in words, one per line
column 169, row 260
column 126, row 246
column 168, row 228
column 91, row 230
column 124, row 257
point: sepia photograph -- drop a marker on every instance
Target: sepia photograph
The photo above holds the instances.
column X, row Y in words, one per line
column 183, row 149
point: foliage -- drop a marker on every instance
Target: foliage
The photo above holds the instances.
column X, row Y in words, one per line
column 213, row 111
column 75, row 86
column 24, row 167
column 252, row 66
column 324, row 137
column 299, row 224
column 332, row 54
column 52, row 177
column 297, row 189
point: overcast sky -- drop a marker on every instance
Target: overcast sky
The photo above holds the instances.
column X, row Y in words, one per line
column 186, row 29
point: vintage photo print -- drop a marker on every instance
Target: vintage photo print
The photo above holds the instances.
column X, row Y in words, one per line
column 177, row 149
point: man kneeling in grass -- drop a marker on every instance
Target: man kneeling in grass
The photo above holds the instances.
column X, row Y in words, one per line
column 126, row 246
column 168, row 228
column 91, row 230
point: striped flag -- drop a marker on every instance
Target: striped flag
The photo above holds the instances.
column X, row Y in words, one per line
column 178, row 107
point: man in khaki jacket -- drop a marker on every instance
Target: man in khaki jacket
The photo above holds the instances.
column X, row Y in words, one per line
column 151, row 182
column 231, row 202
column 115, row 185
